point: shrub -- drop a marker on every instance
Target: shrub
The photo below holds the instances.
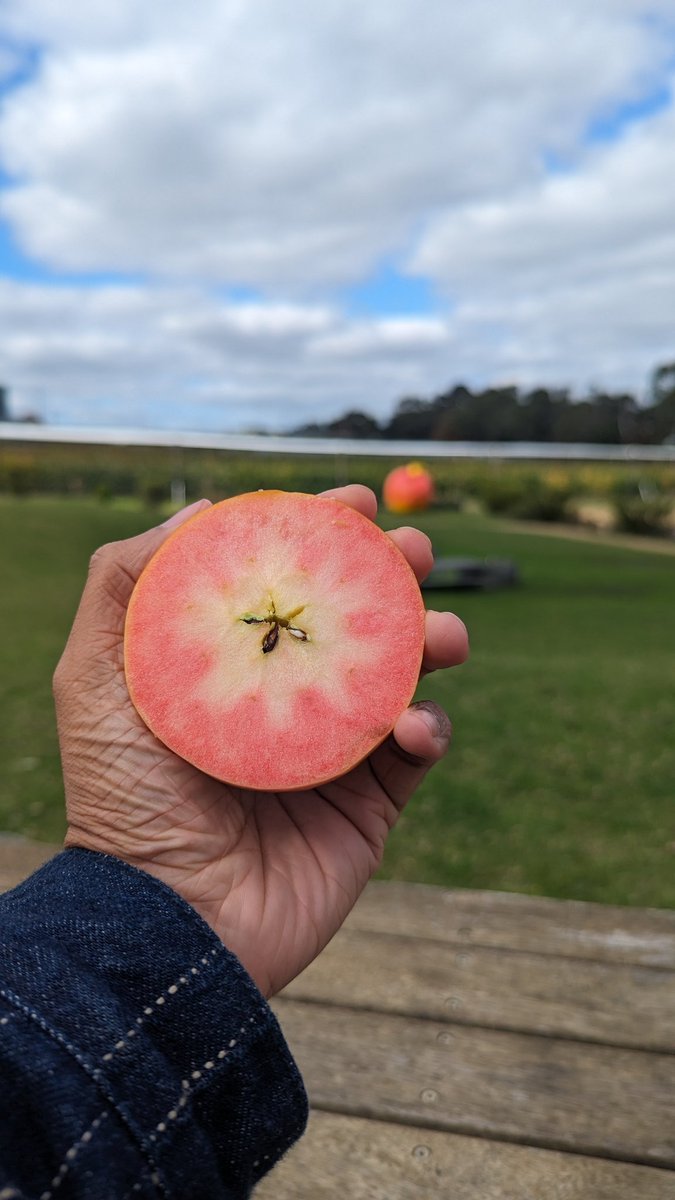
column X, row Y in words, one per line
column 22, row 479
column 448, row 493
column 641, row 506
column 155, row 494
column 529, row 496
column 103, row 492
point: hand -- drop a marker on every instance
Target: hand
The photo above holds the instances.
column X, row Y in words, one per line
column 274, row 874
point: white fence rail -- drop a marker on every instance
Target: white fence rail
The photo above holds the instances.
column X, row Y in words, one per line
column 16, row 431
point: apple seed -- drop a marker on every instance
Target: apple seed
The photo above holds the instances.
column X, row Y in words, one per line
column 276, row 622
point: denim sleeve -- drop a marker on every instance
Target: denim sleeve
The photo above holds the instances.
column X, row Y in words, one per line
column 137, row 1057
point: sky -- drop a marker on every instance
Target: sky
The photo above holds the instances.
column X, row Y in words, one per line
column 255, row 215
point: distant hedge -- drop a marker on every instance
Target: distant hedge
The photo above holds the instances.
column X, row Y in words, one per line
column 641, row 502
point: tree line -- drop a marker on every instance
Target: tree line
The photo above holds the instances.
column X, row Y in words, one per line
column 508, row 414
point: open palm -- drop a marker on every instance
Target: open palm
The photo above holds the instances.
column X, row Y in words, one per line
column 274, row 874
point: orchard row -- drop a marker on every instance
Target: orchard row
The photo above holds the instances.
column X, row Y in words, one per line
column 633, row 497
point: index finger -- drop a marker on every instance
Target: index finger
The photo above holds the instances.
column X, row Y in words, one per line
column 414, row 545
column 357, row 496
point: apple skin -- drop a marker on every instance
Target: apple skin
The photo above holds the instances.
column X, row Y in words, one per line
column 408, row 489
column 329, row 595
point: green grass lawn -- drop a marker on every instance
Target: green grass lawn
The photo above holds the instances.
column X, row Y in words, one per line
column 562, row 773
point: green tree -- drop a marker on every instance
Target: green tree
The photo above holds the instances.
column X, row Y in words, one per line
column 663, row 402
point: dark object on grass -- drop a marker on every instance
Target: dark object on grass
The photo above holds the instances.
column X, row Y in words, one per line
column 471, row 574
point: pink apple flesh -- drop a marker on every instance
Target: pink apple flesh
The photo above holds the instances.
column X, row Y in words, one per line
column 274, row 639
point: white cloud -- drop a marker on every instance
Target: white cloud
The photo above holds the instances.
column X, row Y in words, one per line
column 611, row 214
column 575, row 276
column 287, row 146
column 391, row 336
column 290, row 148
column 181, row 357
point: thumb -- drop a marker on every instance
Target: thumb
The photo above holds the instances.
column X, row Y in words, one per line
column 420, row 738
column 113, row 572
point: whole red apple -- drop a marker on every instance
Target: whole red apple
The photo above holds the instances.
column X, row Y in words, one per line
column 408, row 489
column 274, row 639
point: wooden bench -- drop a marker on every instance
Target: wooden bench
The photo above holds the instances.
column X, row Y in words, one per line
column 485, row 1046
column 478, row 1046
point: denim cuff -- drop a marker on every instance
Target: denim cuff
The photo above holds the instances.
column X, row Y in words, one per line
column 147, row 1061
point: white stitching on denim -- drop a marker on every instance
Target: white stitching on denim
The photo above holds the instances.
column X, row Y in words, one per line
column 86, row 1136
column 149, row 1009
column 71, row 1155
column 196, row 1075
column 137, row 1187
column 81, row 1060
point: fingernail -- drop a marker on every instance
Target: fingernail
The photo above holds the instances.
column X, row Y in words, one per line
column 185, row 513
column 436, row 721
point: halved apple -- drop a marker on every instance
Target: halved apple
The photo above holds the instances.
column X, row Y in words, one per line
column 274, row 639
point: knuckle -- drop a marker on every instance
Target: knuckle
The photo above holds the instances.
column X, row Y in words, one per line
column 59, row 682
column 111, row 573
column 103, row 557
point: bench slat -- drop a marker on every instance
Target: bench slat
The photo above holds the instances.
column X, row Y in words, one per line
column 373, row 1160
column 502, row 989
column 608, row 933
column 561, row 1095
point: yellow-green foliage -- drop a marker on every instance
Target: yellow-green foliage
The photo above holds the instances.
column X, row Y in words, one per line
column 549, row 491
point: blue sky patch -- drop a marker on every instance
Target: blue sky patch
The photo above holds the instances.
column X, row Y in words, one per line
column 556, row 163
column 609, row 126
column 240, row 293
column 388, row 292
column 14, row 264
column 27, row 62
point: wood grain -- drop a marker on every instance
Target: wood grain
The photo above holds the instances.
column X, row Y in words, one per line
column 466, row 918
column 542, row 1091
column 346, row 1157
column 608, row 933
column 502, row 989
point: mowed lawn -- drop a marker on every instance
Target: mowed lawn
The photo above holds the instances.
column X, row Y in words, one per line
column 561, row 780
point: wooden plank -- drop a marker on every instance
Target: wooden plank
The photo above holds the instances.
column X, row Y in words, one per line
column 20, row 856
column 560, row 1095
column 608, row 933
column 501, row 989
column 467, row 918
column 373, row 1160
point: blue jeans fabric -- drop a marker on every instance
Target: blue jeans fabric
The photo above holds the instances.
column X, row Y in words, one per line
column 137, row 1057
